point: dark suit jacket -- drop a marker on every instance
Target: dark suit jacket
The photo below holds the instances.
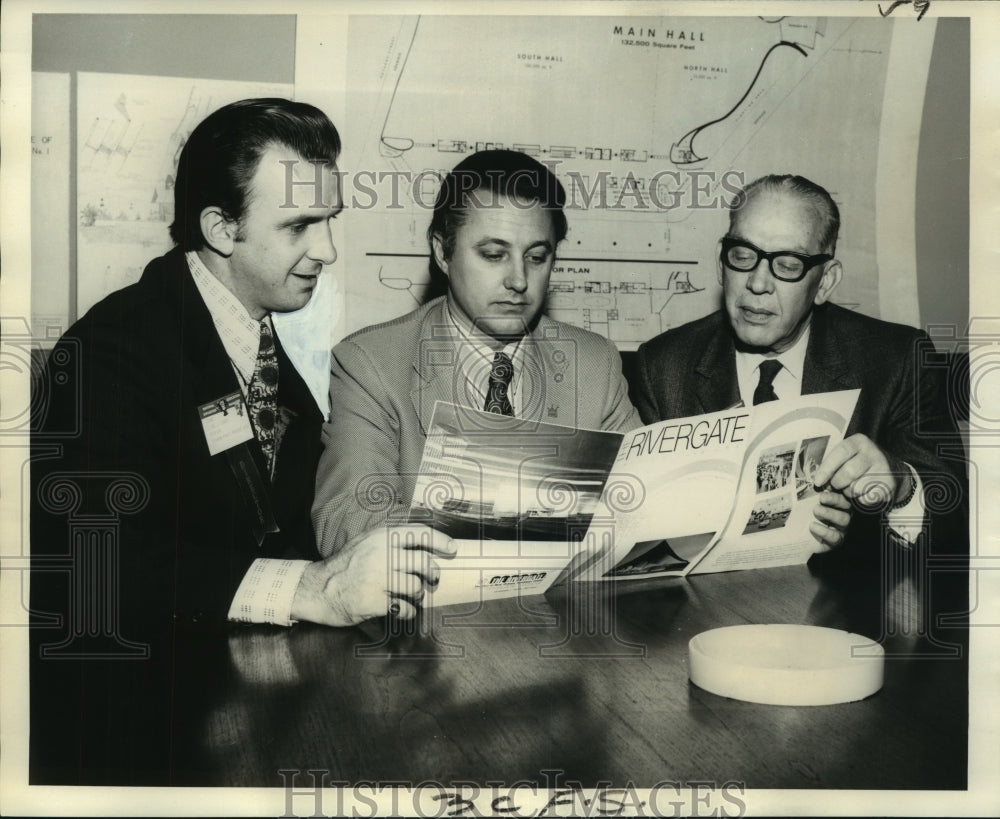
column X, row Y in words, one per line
column 143, row 360
column 121, row 464
column 903, row 406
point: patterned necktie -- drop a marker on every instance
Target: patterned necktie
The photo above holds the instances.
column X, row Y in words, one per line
column 262, row 395
column 765, row 392
column 501, row 374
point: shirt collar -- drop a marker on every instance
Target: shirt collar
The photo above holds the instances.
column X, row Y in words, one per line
column 475, row 358
column 792, row 360
column 237, row 329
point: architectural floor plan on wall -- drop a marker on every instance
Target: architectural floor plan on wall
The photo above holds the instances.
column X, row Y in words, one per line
column 650, row 123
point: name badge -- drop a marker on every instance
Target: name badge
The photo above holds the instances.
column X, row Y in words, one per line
column 226, row 422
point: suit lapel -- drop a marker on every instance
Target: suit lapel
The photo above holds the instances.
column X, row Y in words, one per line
column 826, row 368
column 716, row 386
column 549, row 385
column 207, row 366
column 434, row 365
column 205, row 360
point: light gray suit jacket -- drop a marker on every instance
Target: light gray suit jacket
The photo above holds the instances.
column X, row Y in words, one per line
column 385, row 381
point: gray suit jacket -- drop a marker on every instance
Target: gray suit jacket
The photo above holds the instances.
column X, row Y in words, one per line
column 903, row 406
column 385, row 381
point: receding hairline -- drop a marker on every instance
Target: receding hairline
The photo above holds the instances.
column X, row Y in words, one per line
column 821, row 218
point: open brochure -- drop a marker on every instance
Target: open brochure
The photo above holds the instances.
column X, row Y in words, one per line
column 728, row 490
column 531, row 502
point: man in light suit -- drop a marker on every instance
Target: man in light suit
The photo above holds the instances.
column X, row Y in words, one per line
column 175, row 460
column 497, row 221
column 779, row 335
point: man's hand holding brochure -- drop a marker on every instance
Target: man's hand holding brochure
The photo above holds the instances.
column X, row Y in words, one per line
column 531, row 502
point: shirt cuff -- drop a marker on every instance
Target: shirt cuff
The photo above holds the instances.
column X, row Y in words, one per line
column 266, row 592
column 908, row 521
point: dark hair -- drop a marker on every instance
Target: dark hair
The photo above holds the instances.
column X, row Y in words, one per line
column 220, row 157
column 496, row 173
column 814, row 196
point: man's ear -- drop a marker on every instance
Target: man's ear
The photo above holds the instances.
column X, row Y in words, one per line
column 437, row 246
column 718, row 261
column 219, row 231
column 828, row 283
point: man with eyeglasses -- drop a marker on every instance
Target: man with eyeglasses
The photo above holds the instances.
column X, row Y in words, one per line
column 779, row 336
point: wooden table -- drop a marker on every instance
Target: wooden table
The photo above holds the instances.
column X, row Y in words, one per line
column 591, row 681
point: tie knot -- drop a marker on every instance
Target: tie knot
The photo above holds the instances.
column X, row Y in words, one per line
column 266, row 338
column 769, row 369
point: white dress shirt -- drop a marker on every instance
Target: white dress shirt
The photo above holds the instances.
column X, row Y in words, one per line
column 475, row 360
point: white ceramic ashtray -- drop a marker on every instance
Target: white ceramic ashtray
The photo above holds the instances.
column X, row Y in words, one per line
column 786, row 664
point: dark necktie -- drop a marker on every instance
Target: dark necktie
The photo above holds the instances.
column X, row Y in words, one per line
column 501, row 374
column 262, row 395
column 765, row 392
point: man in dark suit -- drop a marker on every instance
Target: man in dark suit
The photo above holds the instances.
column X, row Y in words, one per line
column 779, row 335
column 181, row 498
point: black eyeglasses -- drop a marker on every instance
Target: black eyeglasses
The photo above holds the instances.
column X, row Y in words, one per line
column 785, row 265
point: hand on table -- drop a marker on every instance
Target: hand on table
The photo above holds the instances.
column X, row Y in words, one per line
column 386, row 570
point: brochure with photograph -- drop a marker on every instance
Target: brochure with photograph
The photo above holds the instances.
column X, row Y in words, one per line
column 711, row 493
column 517, row 496
column 530, row 502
